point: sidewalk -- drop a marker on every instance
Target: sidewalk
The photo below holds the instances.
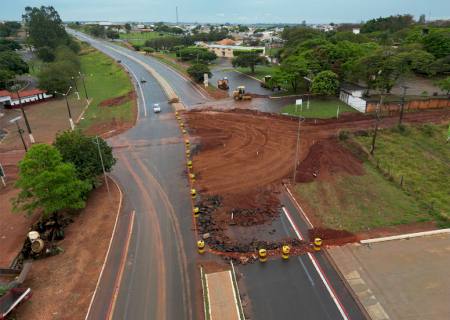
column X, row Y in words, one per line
column 402, row 279
column 222, row 297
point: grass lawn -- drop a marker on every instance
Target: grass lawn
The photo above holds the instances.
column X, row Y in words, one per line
column 323, row 108
column 168, row 58
column 260, row 71
column 359, row 203
column 422, row 156
column 139, row 38
column 104, row 80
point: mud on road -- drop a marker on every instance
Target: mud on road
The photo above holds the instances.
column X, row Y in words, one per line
column 243, row 156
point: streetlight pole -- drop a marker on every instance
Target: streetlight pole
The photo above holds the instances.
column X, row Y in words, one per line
column 76, row 87
column 30, row 134
column 300, row 120
column 72, row 125
column 402, row 105
column 84, row 84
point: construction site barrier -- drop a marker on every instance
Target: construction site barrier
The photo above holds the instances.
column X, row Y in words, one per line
column 193, row 193
column 262, row 255
column 201, row 246
column 285, row 250
column 189, row 164
column 196, row 211
column 317, row 244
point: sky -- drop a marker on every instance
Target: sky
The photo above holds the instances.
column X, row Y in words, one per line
column 233, row 11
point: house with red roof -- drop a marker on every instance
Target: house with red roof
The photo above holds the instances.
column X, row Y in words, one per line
column 11, row 99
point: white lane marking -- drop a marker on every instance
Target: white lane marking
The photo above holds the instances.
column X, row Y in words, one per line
column 294, row 227
column 140, row 89
column 328, row 286
column 238, row 301
column 298, row 205
column 319, row 270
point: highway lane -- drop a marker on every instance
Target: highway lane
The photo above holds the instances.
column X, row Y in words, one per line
column 161, row 279
column 160, row 276
column 294, row 289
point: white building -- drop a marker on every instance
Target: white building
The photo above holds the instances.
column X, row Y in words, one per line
column 226, row 51
column 356, row 30
column 10, row 99
column 352, row 95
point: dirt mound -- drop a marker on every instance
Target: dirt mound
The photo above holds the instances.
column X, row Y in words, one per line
column 326, row 159
column 332, row 237
column 117, row 101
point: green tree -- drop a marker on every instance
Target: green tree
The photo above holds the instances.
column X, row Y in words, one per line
column 148, row 50
column 197, row 54
column 292, row 71
column 47, row 183
column 325, row 83
column 57, row 76
column 437, row 42
column 419, row 61
column 9, row 45
column 197, row 71
column 9, row 28
column 11, row 61
column 111, row 34
column 45, row 27
column 128, row 27
column 444, row 85
column 82, row 151
column 5, row 77
column 248, row 60
column 46, row 54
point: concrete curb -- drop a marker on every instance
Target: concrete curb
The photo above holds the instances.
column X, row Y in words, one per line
column 346, row 284
column 237, row 293
column 406, row 236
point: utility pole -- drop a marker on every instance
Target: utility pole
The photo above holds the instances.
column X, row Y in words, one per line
column 84, row 85
column 103, row 166
column 377, row 121
column 300, row 120
column 2, row 175
column 20, row 131
column 176, row 13
column 30, row 134
column 72, row 125
column 402, row 105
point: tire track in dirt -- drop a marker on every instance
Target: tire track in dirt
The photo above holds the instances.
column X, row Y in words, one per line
column 177, row 231
column 156, row 234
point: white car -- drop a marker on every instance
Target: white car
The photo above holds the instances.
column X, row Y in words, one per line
column 156, row 108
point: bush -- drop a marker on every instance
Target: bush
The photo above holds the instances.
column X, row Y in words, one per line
column 428, row 129
column 197, row 72
column 194, row 53
column 343, row 135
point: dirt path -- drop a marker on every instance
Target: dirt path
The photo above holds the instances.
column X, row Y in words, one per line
column 63, row 285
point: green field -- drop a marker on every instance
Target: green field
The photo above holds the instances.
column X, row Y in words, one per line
column 359, row 203
column 319, row 108
column 104, row 80
column 380, row 197
column 422, row 157
column 139, row 38
column 260, row 71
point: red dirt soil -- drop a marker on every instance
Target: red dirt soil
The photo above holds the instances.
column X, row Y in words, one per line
column 244, row 155
column 69, row 279
column 325, row 159
column 117, row 101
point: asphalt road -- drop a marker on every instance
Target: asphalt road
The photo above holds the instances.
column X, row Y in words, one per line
column 161, row 278
column 235, row 79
